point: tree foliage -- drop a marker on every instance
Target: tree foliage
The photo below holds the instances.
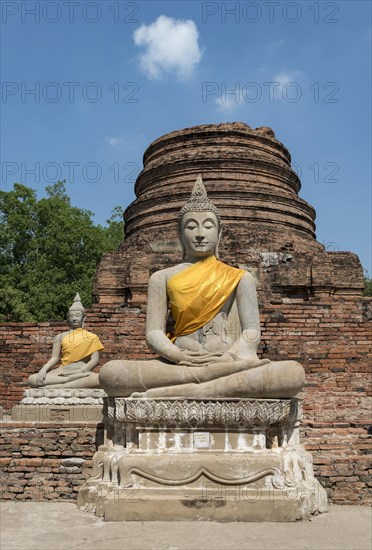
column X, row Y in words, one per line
column 367, row 286
column 49, row 250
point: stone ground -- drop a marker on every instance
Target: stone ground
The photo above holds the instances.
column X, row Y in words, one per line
column 60, row 525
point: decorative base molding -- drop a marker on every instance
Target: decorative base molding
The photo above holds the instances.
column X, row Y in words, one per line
column 223, row 460
column 60, row 405
column 201, row 412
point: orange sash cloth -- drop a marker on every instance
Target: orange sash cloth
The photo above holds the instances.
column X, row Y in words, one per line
column 197, row 293
column 78, row 344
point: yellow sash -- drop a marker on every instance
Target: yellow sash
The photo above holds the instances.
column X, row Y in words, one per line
column 78, row 344
column 197, row 293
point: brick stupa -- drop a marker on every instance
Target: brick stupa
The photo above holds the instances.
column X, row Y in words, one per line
column 267, row 226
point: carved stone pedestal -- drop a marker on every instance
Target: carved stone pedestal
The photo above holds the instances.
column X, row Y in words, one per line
column 222, row 460
column 60, row 405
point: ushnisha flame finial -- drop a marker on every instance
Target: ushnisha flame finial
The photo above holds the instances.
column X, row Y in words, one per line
column 77, row 305
column 199, row 202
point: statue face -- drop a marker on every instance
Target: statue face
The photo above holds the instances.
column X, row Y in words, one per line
column 199, row 234
column 75, row 318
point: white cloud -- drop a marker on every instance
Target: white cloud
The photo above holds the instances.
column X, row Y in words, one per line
column 273, row 46
column 286, row 85
column 171, row 46
column 279, row 43
column 112, row 140
column 283, row 79
column 228, row 103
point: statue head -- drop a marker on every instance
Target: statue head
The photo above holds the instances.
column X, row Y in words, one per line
column 76, row 313
column 199, row 224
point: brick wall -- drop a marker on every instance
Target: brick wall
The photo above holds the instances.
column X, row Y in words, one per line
column 46, row 461
column 24, row 348
column 329, row 336
column 342, row 459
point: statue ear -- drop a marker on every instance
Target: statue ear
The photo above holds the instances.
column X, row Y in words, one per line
column 218, row 242
column 179, row 230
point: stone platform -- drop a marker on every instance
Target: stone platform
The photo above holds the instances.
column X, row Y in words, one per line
column 60, row 405
column 222, row 460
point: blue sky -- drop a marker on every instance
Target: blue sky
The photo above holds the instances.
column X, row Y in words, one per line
column 109, row 77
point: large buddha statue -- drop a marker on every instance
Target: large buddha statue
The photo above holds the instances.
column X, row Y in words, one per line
column 213, row 350
column 77, row 350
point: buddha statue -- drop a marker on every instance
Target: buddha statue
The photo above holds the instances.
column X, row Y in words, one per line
column 77, row 350
column 213, row 350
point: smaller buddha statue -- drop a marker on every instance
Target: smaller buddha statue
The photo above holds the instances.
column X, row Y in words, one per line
column 78, row 352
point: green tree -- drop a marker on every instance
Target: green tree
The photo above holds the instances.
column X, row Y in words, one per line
column 49, row 250
column 367, row 284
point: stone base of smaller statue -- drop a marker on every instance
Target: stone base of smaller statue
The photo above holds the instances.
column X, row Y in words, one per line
column 213, row 460
column 60, row 405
